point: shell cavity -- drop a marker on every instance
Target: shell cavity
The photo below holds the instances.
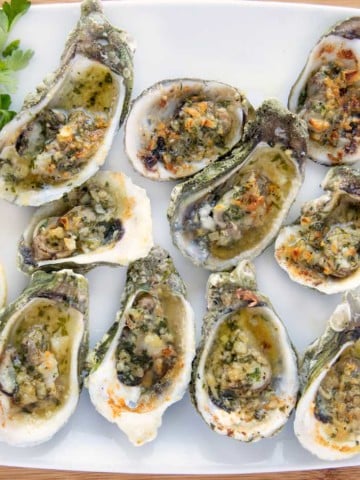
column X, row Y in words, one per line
column 244, row 380
column 143, row 364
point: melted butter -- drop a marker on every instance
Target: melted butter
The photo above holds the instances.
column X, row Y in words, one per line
column 60, row 141
column 263, row 333
column 258, row 211
column 41, row 352
column 92, row 88
column 260, row 332
column 337, row 404
column 241, row 363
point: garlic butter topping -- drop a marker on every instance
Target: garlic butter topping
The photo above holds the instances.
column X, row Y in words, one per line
column 327, row 95
column 177, row 127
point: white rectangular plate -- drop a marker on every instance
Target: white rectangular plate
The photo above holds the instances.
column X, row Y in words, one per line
column 260, row 48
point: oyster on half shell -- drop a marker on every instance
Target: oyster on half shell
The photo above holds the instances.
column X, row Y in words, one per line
column 233, row 208
column 143, row 363
column 327, row 420
column 43, row 347
column 322, row 248
column 327, row 95
column 64, row 131
column 177, row 127
column 244, row 380
column 107, row 220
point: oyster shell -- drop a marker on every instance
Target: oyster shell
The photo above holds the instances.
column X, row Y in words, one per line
column 107, row 220
column 322, row 248
column 327, row 417
column 177, row 127
column 233, row 209
column 143, row 364
column 43, row 346
column 244, row 380
column 64, row 131
column 327, row 95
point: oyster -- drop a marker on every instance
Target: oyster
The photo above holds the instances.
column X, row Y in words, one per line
column 107, row 220
column 322, row 249
column 3, row 287
column 233, row 209
column 177, row 127
column 327, row 420
column 64, row 131
column 143, row 364
column 327, row 95
column 244, row 380
column 43, row 346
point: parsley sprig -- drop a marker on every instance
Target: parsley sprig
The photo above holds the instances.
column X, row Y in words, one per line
column 12, row 57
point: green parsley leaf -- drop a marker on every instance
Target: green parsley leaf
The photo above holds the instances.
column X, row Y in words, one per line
column 10, row 48
column 5, row 114
column 4, row 23
column 5, row 117
column 14, row 10
column 8, row 82
column 5, row 101
column 18, row 59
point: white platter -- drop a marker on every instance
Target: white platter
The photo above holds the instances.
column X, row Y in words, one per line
column 259, row 47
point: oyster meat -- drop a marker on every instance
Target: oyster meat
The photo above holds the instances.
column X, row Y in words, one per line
column 64, row 131
column 244, row 380
column 322, row 249
column 43, row 347
column 327, row 420
column 177, row 127
column 233, row 209
column 107, row 220
column 327, row 95
column 143, row 364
